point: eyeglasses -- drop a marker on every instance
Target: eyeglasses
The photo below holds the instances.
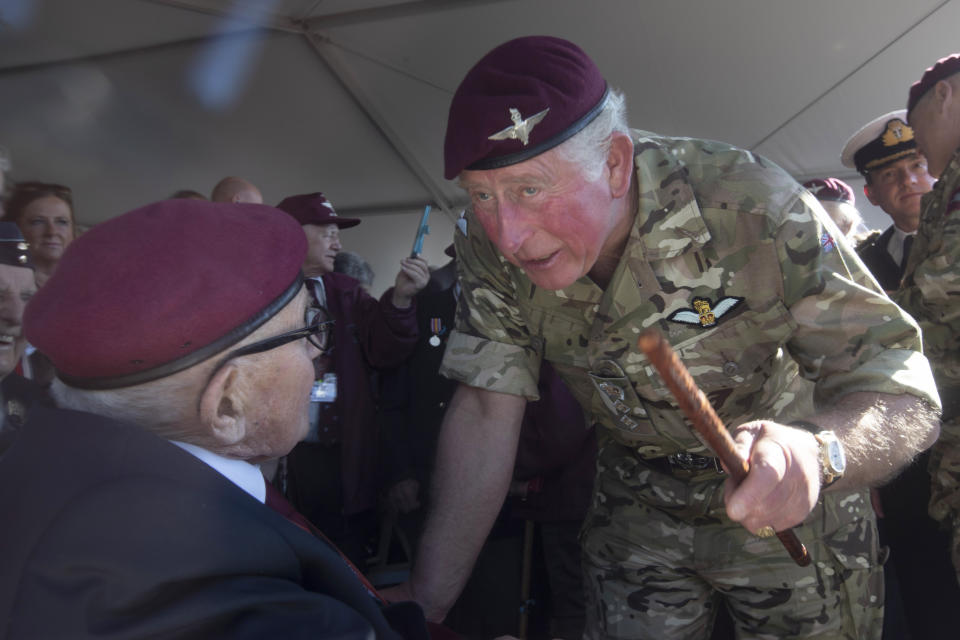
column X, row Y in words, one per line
column 317, row 332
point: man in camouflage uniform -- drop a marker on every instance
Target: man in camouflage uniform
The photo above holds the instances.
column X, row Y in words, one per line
column 931, row 286
column 582, row 234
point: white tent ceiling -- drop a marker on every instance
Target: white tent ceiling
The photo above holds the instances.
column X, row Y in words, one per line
column 130, row 100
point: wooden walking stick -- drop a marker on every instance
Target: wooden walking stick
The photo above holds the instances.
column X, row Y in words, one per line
column 694, row 404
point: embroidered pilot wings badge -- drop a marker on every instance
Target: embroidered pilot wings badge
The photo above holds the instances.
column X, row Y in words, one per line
column 702, row 314
column 520, row 130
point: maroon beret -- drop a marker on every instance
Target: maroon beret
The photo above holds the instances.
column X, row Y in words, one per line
column 523, row 98
column 162, row 288
column 944, row 68
column 314, row 208
column 831, row 189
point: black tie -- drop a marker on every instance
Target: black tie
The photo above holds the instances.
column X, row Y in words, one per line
column 907, row 243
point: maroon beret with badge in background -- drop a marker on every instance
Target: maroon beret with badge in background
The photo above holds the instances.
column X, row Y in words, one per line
column 522, row 98
column 943, row 68
column 162, row 288
column 314, row 208
column 831, row 189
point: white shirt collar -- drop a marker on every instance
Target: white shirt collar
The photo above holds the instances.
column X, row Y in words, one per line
column 895, row 244
column 239, row 472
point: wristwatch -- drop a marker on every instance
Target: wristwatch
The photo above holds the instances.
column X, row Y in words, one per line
column 833, row 462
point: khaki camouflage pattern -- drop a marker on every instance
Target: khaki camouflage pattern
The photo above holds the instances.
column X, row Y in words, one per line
column 774, row 317
column 931, row 293
column 693, row 560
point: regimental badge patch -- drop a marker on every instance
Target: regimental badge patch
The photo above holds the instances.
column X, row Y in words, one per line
column 701, row 314
column 827, row 242
column 521, row 128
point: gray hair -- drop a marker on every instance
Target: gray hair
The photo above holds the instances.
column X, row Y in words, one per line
column 165, row 406
column 4, row 159
column 589, row 148
column 353, row 265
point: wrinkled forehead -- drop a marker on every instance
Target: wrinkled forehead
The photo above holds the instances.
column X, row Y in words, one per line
column 326, row 230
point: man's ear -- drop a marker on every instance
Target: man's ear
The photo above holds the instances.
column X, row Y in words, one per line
column 866, row 192
column 620, row 164
column 221, row 407
column 944, row 93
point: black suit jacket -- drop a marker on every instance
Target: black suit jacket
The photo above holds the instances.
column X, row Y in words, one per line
column 873, row 252
column 111, row 532
column 20, row 395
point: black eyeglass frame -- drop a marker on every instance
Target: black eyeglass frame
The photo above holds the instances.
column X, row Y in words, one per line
column 310, row 332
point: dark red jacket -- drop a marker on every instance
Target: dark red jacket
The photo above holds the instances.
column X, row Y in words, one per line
column 368, row 334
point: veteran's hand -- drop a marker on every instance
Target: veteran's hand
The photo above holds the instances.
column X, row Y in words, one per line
column 783, row 484
column 413, row 276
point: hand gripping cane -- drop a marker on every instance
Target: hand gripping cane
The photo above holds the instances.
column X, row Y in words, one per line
column 704, row 419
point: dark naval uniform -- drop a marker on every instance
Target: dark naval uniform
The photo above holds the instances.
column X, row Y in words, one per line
column 873, row 251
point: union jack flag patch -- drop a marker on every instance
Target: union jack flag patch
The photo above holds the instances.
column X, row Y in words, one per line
column 827, row 242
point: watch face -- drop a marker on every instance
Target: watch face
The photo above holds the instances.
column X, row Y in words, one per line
column 838, row 461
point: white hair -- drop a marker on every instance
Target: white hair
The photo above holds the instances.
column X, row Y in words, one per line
column 168, row 406
column 589, row 148
column 164, row 406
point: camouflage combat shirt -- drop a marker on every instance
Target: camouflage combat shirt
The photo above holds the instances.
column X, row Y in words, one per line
column 931, row 285
column 738, row 267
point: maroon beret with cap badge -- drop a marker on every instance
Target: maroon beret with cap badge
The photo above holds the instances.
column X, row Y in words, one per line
column 162, row 288
column 831, row 189
column 314, row 208
column 944, row 68
column 522, row 98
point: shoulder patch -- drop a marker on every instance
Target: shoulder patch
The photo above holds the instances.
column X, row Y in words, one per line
column 827, row 242
column 701, row 314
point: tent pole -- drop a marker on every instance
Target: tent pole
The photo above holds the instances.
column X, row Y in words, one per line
column 346, row 78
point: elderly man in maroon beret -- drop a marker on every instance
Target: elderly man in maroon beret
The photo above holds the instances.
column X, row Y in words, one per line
column 333, row 476
column 139, row 510
column 838, row 200
column 581, row 234
column 931, row 284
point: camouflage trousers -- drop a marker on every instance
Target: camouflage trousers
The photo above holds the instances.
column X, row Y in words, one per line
column 660, row 557
column 945, row 489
